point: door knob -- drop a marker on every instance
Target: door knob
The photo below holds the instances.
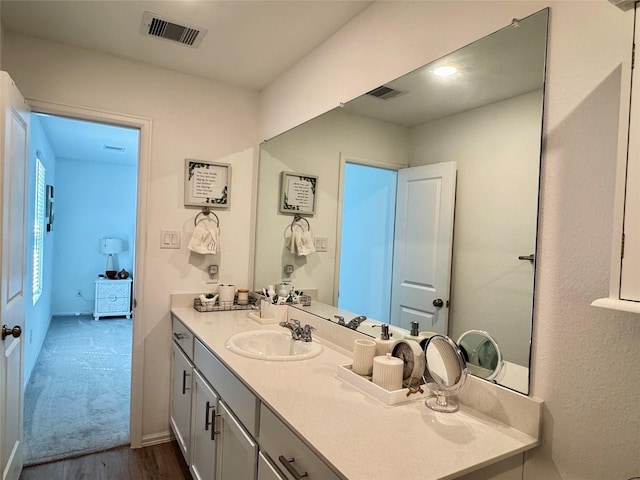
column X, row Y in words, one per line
column 438, row 303
column 15, row 331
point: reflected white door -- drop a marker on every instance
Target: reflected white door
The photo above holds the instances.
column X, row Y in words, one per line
column 423, row 247
column 14, row 135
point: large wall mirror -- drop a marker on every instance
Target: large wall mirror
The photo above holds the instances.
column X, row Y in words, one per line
column 426, row 198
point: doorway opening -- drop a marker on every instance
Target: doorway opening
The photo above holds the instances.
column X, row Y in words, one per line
column 77, row 370
column 368, row 219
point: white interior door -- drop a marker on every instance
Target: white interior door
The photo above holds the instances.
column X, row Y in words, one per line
column 14, row 135
column 423, row 247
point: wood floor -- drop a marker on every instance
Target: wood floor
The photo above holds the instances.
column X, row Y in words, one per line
column 158, row 462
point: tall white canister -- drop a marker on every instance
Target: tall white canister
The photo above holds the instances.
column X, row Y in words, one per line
column 387, row 372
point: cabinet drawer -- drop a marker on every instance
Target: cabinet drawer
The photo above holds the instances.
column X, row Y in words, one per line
column 281, row 444
column 244, row 404
column 113, row 288
column 113, row 304
column 182, row 336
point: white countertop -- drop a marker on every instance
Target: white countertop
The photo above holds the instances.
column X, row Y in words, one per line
column 361, row 437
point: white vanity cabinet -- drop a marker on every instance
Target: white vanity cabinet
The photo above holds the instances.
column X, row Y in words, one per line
column 181, row 379
column 214, row 416
column 237, row 451
column 293, row 459
column 204, row 434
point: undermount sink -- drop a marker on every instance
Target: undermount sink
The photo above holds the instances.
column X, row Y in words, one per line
column 272, row 345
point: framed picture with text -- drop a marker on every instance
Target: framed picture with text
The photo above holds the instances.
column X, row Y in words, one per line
column 298, row 193
column 206, row 184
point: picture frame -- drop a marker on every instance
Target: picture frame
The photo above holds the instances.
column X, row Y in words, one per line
column 48, row 212
column 298, row 193
column 207, row 184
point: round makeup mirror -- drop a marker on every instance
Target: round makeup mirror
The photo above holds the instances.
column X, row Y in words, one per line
column 445, row 373
column 481, row 353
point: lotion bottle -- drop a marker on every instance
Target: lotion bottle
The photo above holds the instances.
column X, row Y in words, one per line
column 415, row 334
column 384, row 344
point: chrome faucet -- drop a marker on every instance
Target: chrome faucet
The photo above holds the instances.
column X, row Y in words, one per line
column 355, row 322
column 298, row 332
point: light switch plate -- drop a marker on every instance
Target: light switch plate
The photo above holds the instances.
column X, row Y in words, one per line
column 321, row 243
column 170, row 239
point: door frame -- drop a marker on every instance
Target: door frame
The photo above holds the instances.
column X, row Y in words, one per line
column 144, row 161
column 360, row 160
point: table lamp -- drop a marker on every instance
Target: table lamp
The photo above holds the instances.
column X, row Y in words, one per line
column 109, row 247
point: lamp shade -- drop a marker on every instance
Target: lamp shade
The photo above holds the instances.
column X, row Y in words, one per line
column 111, row 245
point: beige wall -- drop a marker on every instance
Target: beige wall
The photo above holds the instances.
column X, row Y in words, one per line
column 497, row 153
column 315, row 148
column 584, row 358
column 191, row 118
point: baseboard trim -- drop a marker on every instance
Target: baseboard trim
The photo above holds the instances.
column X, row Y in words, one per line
column 157, row 438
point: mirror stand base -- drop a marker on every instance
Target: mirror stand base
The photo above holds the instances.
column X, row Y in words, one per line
column 440, row 403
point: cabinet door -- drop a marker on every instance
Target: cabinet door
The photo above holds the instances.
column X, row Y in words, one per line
column 181, row 377
column 237, row 452
column 630, row 262
column 204, row 434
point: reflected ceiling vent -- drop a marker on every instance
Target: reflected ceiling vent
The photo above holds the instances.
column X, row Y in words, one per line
column 157, row 26
column 385, row 93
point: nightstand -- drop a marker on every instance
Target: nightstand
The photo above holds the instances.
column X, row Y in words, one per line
column 113, row 298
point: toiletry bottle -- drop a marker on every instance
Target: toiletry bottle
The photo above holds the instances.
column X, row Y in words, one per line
column 271, row 291
column 415, row 334
column 384, row 344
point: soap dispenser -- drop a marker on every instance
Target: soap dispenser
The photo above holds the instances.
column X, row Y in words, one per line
column 415, row 333
column 384, row 343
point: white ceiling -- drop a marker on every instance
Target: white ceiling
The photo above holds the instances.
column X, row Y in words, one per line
column 248, row 43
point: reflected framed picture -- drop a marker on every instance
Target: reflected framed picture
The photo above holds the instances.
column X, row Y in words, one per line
column 206, row 184
column 298, row 193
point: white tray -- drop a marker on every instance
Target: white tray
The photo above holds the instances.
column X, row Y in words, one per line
column 263, row 320
column 394, row 397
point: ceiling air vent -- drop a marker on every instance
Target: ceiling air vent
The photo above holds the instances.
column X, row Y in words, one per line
column 157, row 26
column 384, row 93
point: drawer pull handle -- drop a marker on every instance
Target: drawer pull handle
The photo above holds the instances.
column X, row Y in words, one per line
column 291, row 469
column 184, row 382
column 178, row 336
column 210, row 421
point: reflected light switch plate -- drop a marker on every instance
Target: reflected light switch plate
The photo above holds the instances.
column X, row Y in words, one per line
column 169, row 239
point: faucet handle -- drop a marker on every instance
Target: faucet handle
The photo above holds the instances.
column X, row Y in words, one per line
column 340, row 319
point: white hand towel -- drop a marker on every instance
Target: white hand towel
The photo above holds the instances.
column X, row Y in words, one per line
column 306, row 245
column 292, row 239
column 205, row 238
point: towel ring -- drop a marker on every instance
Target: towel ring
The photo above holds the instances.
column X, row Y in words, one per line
column 297, row 219
column 286, row 229
column 206, row 212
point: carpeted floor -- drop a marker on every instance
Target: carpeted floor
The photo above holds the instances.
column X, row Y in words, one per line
column 77, row 399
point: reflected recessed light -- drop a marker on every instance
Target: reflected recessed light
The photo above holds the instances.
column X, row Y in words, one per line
column 445, row 71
